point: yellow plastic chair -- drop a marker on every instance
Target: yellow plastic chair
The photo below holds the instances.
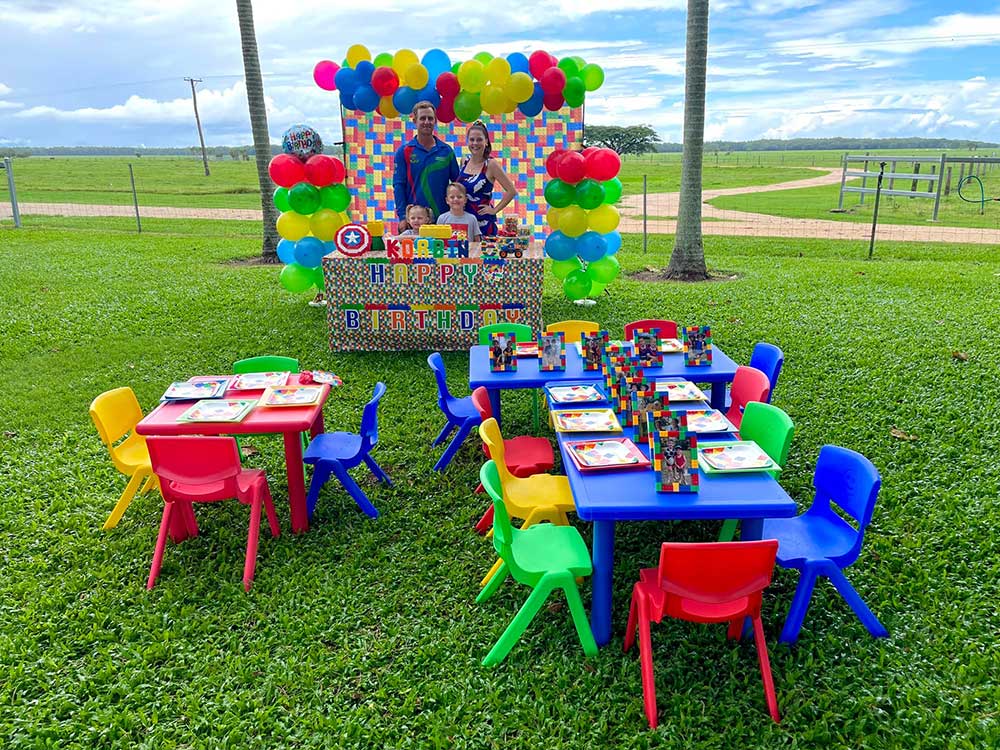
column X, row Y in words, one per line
column 115, row 414
column 573, row 329
column 540, row 497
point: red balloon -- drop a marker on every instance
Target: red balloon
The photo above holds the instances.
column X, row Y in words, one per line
column 552, row 163
column 553, row 102
column 553, row 81
column 447, row 85
column 603, row 164
column 385, row 81
column 589, row 149
column 286, row 170
column 539, row 62
column 572, row 167
column 446, row 109
column 323, row 170
column 553, row 60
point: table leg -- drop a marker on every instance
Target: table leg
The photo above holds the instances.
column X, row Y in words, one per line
column 751, row 529
column 495, row 404
column 604, row 566
column 718, row 398
column 296, row 482
column 318, row 427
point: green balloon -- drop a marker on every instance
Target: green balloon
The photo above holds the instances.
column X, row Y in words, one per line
column 596, row 289
column 467, row 106
column 563, row 268
column 296, row 278
column 574, row 91
column 304, row 198
column 281, row 200
column 558, row 194
column 589, row 194
column 455, row 67
column 316, row 275
column 577, row 285
column 580, row 62
column 593, row 76
column 382, row 60
column 569, row 66
column 612, row 190
column 335, row 197
column 483, row 57
column 605, row 270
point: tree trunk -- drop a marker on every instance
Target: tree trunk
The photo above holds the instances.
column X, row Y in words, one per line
column 258, row 124
column 687, row 261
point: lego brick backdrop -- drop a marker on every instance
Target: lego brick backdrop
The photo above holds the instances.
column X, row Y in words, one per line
column 521, row 143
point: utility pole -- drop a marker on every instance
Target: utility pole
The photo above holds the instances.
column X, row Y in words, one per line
column 194, row 98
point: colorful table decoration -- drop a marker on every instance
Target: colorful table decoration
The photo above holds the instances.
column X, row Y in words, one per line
column 697, row 346
column 256, row 381
column 680, row 390
column 738, row 456
column 502, row 347
column 586, row 420
column 552, row 351
column 675, row 458
column 291, row 395
column 606, row 453
column 218, row 410
column 575, row 394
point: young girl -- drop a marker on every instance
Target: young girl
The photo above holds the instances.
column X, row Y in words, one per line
column 456, row 197
column 416, row 217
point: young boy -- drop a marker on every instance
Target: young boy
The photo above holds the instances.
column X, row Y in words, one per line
column 456, row 198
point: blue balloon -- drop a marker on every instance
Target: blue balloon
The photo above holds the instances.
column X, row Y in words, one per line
column 309, row 252
column 429, row 93
column 437, row 62
column 591, row 246
column 614, row 240
column 404, row 99
column 518, row 63
column 286, row 252
column 364, row 70
column 347, row 81
column 559, row 246
column 365, row 98
column 533, row 106
column 347, row 100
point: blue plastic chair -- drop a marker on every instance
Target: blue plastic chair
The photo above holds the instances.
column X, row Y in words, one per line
column 820, row 542
column 768, row 359
column 461, row 413
column 333, row 453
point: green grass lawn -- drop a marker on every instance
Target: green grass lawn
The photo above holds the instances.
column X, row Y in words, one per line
column 365, row 634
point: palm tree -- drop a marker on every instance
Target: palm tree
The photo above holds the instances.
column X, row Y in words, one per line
column 258, row 124
column 687, row 261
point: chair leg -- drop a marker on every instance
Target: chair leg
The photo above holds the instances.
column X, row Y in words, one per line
column 355, row 491
column 453, row 446
column 646, row 662
column 321, row 475
column 495, row 582
column 765, row 668
column 633, row 613
column 150, row 484
column 853, row 599
column 800, row 603
column 376, row 470
column 445, row 432
column 580, row 620
column 534, row 410
column 161, row 544
column 272, row 517
column 134, row 483
column 735, row 629
column 518, row 625
column 492, row 572
column 253, row 536
column 486, row 522
column 728, row 532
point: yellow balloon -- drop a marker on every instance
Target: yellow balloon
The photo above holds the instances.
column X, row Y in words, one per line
column 573, row 221
column 492, row 99
column 509, row 105
column 357, row 53
column 472, row 76
column 604, row 219
column 325, row 223
column 553, row 217
column 344, row 217
column 520, row 87
column 498, row 71
column 387, row 108
column 402, row 61
column 417, row 76
column 292, row 226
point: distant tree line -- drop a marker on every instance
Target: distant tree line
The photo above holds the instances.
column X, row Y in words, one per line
column 843, row 144
column 236, row 153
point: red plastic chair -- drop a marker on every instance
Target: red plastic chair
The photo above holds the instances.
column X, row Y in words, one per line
column 201, row 470
column 749, row 384
column 711, row 582
column 668, row 328
column 524, row 455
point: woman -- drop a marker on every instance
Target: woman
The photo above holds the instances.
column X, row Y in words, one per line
column 478, row 173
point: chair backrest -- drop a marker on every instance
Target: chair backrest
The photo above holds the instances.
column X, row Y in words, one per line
column 489, row 431
column 369, row 419
column 768, row 359
column 668, row 328
column 436, row 364
column 749, row 384
column 521, row 331
column 850, row 481
column 266, row 363
column 716, row 571
column 481, row 400
column 503, row 529
column 194, row 460
column 573, row 329
column 770, row 428
column 115, row 414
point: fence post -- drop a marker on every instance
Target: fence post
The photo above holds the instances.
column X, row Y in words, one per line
column 135, row 198
column 864, row 183
column 937, row 197
column 878, row 193
column 14, row 209
column 645, row 236
column 843, row 179
column 947, row 184
column 916, row 171
column 892, row 170
column 961, row 174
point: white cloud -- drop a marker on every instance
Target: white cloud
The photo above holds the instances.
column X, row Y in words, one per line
column 5, row 89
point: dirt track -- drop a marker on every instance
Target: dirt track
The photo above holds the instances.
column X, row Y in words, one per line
column 722, row 222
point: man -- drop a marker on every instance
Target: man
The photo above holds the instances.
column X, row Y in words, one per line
column 425, row 166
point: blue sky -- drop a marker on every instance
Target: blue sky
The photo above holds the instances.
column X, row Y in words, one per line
column 111, row 72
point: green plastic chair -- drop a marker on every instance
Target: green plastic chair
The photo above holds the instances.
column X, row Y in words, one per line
column 267, row 363
column 521, row 332
column 545, row 557
column 772, row 430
